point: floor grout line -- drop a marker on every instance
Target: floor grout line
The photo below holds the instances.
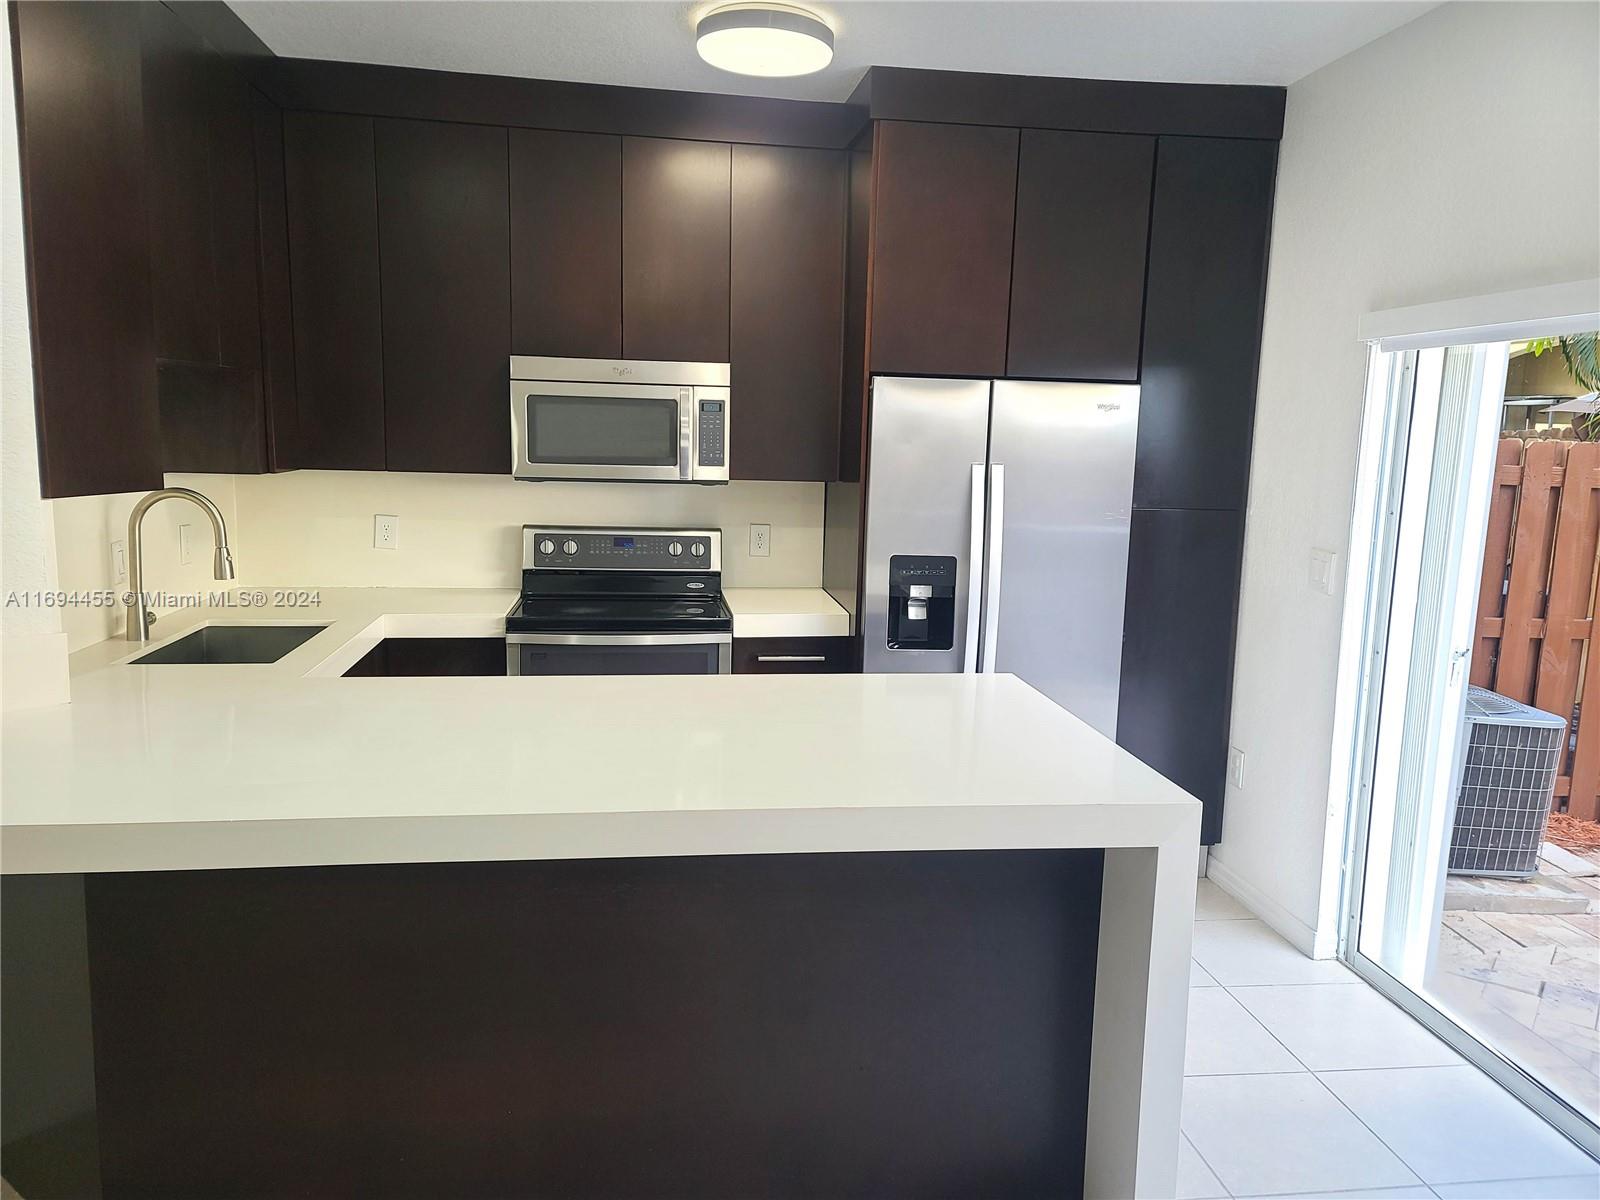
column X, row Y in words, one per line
column 1400, row 1158
column 1208, row 1166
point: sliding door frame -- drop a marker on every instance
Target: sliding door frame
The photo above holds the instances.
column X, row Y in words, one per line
column 1392, row 378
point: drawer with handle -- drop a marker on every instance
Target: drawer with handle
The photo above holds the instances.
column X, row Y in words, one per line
column 792, row 656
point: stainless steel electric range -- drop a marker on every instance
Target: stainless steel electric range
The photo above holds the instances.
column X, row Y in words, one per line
column 619, row 602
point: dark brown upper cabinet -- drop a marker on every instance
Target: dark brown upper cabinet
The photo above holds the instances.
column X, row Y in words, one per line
column 200, row 172
column 1202, row 326
column 1077, row 269
column 566, row 244
column 81, row 119
column 676, row 200
column 277, row 317
column 789, row 210
column 331, row 182
column 944, row 197
column 177, row 146
column 445, row 239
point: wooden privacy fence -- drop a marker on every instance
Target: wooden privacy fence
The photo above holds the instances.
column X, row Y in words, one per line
column 1536, row 600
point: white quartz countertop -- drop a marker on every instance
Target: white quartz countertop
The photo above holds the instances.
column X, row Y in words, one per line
column 786, row 612
column 183, row 767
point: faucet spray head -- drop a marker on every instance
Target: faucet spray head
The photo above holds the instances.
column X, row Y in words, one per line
column 223, row 566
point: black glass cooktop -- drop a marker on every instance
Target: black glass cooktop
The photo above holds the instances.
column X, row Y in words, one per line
column 612, row 614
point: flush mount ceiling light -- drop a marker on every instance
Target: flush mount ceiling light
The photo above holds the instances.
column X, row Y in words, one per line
column 764, row 39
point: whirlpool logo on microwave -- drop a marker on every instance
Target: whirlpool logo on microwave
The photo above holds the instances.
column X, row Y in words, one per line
column 622, row 370
column 1108, row 406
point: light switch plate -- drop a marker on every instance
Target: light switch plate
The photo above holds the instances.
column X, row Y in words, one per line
column 1324, row 564
column 185, row 543
column 1236, row 767
column 760, row 541
column 385, row 532
column 119, row 560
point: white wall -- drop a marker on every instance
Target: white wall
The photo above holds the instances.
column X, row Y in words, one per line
column 1457, row 156
column 33, row 664
column 314, row 528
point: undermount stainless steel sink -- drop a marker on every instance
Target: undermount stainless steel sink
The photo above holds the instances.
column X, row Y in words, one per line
column 232, row 644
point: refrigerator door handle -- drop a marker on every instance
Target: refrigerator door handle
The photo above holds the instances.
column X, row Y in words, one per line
column 974, row 573
column 991, row 599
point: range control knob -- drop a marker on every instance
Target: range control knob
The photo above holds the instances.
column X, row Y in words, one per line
column 674, row 548
column 569, row 547
column 697, row 549
column 546, row 546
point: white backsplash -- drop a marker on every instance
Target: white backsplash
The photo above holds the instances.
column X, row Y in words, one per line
column 314, row 528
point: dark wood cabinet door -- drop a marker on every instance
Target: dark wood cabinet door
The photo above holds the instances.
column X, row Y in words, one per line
column 793, row 656
column 331, row 180
column 81, row 118
column 787, row 314
column 676, row 199
column 200, row 172
column 235, row 220
column 444, row 230
column 1177, row 654
column 853, row 383
column 1202, row 330
column 277, row 317
column 943, row 206
column 432, row 656
column 177, row 147
column 566, row 244
column 1077, row 269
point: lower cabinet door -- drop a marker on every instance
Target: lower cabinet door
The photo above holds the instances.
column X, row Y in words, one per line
column 791, row 656
column 432, row 656
column 1177, row 649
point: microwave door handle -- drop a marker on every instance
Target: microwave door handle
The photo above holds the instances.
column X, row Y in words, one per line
column 688, row 438
column 969, row 664
column 991, row 599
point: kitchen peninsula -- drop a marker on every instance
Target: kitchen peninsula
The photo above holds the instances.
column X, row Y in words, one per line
column 719, row 935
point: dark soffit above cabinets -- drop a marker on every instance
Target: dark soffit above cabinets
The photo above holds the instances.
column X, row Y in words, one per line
column 884, row 93
column 1087, row 105
column 302, row 83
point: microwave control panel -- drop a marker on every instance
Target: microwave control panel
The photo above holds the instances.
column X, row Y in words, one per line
column 713, row 433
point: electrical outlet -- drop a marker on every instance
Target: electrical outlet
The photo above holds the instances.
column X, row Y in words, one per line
column 185, row 543
column 119, row 560
column 385, row 532
column 760, row 541
column 1323, row 563
column 1236, row 767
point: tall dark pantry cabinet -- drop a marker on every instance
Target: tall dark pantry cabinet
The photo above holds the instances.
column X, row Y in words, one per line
column 1087, row 232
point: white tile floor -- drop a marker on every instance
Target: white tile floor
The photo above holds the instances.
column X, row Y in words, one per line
column 1302, row 1081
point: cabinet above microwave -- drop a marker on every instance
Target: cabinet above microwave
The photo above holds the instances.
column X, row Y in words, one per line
column 626, row 420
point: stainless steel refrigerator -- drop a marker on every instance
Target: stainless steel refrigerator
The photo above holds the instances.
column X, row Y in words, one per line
column 997, row 533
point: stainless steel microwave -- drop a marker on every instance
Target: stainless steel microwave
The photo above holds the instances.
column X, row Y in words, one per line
column 619, row 419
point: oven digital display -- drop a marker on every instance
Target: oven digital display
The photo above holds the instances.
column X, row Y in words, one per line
column 622, row 543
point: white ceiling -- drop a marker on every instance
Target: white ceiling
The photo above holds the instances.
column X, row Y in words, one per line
column 651, row 44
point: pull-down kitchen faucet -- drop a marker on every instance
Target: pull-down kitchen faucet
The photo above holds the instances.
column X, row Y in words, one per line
column 140, row 618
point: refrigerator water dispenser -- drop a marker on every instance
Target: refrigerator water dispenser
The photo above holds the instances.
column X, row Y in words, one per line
column 922, row 602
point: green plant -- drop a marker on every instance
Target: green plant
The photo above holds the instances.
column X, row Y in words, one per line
column 1578, row 355
column 1581, row 357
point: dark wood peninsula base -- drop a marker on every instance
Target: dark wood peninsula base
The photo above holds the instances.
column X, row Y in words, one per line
column 853, row 1024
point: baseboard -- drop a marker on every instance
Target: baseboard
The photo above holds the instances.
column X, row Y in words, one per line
column 1299, row 935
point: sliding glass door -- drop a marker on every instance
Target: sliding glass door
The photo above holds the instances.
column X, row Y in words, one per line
column 1432, row 765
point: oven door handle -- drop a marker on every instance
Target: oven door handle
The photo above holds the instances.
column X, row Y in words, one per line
column 619, row 639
